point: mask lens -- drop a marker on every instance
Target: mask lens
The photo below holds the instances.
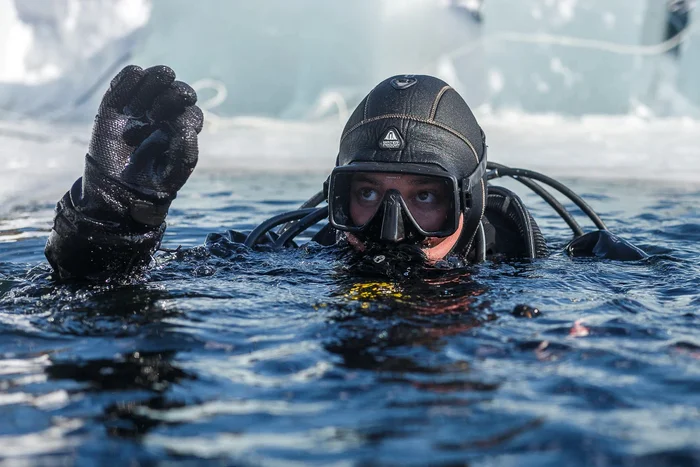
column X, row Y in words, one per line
column 427, row 200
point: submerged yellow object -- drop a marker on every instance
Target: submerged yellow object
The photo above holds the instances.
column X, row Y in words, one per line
column 373, row 290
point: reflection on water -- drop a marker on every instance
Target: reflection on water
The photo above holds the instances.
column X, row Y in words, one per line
column 303, row 357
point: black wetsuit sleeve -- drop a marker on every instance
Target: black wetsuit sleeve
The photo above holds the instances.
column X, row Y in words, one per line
column 83, row 247
column 604, row 244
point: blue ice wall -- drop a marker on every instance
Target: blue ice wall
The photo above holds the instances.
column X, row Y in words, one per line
column 289, row 59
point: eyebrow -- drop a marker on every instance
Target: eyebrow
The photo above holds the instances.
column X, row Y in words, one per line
column 360, row 178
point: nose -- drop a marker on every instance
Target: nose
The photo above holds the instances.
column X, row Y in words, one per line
column 393, row 229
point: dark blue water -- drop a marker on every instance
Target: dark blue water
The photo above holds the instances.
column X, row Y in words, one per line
column 254, row 358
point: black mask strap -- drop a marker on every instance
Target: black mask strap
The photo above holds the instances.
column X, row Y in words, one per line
column 473, row 204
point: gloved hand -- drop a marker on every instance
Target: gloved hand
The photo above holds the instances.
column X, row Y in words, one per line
column 604, row 244
column 143, row 148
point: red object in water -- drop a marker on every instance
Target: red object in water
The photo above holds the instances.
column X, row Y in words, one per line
column 578, row 329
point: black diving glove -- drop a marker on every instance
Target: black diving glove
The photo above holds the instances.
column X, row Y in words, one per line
column 143, row 149
column 604, row 244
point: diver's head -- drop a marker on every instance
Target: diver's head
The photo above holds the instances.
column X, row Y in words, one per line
column 410, row 169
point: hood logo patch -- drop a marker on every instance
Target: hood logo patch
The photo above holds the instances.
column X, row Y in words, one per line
column 403, row 82
column 391, row 139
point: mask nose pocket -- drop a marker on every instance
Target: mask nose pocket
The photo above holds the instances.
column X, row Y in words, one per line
column 393, row 229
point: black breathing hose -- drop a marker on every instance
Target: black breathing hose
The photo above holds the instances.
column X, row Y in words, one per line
column 298, row 227
column 523, row 176
column 273, row 222
column 547, row 196
column 309, row 203
column 295, row 222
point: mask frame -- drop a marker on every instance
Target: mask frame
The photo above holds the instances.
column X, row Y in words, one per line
column 393, row 207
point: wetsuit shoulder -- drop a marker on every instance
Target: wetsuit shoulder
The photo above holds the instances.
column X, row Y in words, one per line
column 326, row 236
column 507, row 223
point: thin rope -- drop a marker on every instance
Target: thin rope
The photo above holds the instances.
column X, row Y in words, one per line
column 576, row 42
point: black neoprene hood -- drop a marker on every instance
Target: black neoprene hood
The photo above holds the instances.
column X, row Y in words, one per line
column 414, row 119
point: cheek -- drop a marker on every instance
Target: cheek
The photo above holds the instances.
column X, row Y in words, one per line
column 360, row 214
column 432, row 219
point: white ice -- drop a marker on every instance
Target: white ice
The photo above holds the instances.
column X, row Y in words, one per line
column 572, row 88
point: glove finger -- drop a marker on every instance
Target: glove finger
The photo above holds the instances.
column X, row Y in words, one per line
column 164, row 160
column 156, row 80
column 183, row 155
column 136, row 131
column 191, row 118
column 122, row 87
column 173, row 101
column 141, row 170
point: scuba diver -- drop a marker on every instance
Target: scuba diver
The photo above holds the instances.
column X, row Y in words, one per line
column 411, row 172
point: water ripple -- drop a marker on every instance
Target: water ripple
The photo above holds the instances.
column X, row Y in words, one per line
column 257, row 358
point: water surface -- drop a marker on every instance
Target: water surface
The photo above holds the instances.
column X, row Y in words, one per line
column 259, row 358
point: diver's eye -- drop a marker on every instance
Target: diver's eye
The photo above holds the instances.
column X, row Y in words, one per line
column 426, row 197
column 368, row 194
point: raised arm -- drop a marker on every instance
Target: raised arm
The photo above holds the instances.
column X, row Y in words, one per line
column 143, row 149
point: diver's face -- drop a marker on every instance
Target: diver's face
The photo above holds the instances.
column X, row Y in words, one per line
column 426, row 198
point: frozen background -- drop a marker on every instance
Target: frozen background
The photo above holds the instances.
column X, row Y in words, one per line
column 574, row 87
column 250, row 358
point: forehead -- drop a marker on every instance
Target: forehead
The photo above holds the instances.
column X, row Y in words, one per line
column 396, row 178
